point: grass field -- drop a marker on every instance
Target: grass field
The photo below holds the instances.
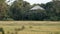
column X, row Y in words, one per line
column 30, row 27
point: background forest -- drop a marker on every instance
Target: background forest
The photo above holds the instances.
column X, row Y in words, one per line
column 20, row 10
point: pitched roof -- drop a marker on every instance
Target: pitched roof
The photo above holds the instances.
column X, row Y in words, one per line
column 37, row 7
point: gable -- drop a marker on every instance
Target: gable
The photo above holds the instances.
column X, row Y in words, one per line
column 36, row 8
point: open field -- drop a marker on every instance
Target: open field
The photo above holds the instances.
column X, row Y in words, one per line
column 30, row 27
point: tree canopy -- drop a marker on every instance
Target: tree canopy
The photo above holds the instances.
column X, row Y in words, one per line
column 20, row 10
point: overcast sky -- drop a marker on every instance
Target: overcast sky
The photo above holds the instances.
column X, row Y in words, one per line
column 33, row 1
column 37, row 1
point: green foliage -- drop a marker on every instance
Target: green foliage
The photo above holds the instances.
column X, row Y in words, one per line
column 20, row 10
column 53, row 11
column 3, row 9
column 16, row 10
column 1, row 30
column 34, row 15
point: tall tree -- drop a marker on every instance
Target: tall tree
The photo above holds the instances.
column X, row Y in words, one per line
column 18, row 9
column 53, row 10
column 3, row 9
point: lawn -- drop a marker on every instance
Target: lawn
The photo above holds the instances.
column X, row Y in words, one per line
column 30, row 27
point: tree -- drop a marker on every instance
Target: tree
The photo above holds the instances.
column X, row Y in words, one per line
column 3, row 9
column 35, row 15
column 53, row 10
column 18, row 9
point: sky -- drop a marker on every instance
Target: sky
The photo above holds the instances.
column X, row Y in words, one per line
column 32, row 1
column 37, row 1
column 9, row 3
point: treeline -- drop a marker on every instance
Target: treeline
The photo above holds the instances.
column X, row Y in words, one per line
column 20, row 10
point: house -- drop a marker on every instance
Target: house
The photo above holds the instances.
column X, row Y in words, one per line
column 37, row 7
